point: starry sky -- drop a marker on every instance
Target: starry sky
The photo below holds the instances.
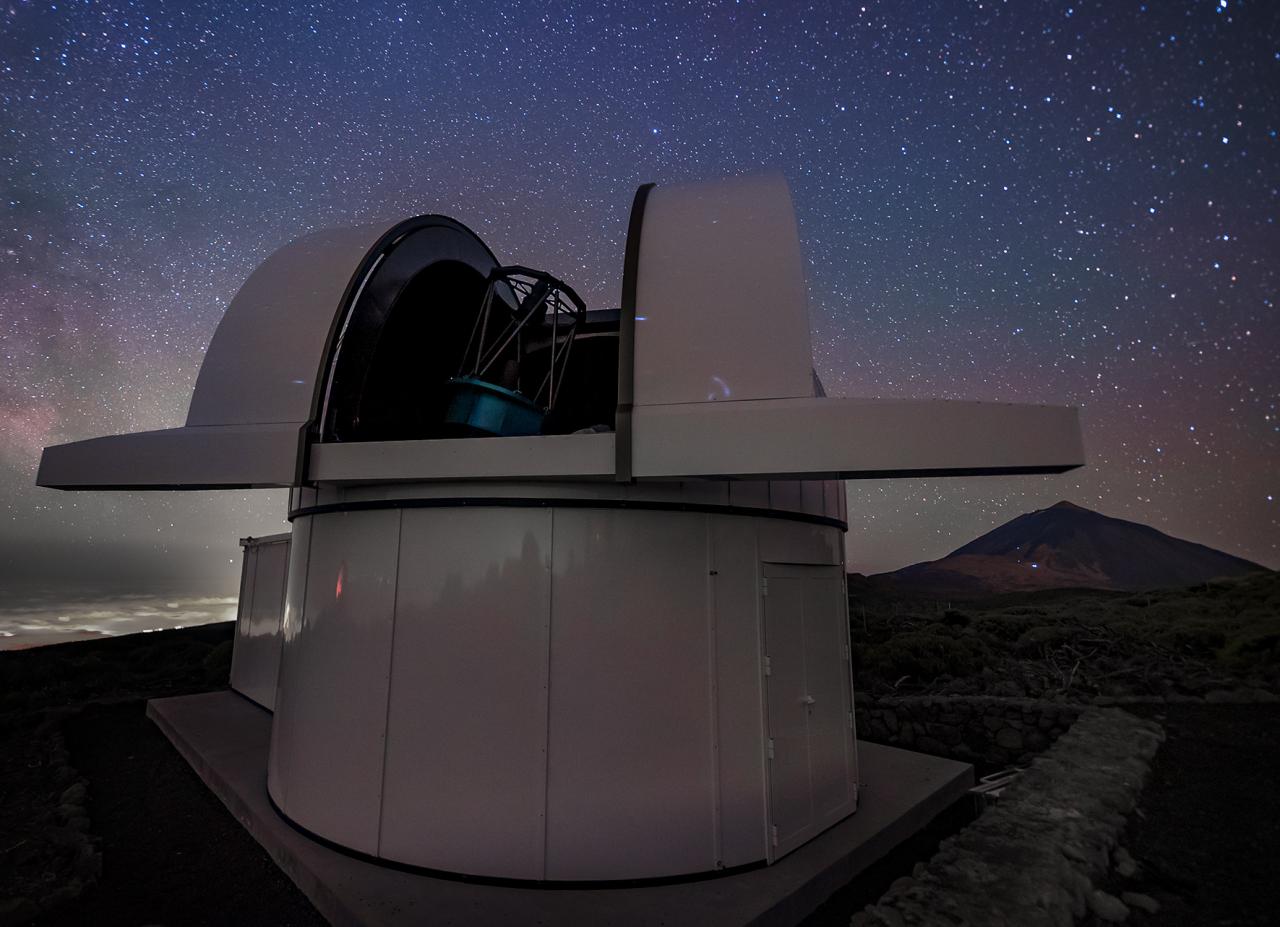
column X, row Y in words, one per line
column 1043, row 202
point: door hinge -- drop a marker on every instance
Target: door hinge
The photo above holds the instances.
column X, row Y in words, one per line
column 769, row 747
column 768, row 666
column 773, row 834
column 764, row 586
column 845, row 650
column 851, row 720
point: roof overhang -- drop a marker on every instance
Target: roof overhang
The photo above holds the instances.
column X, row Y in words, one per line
column 193, row 457
column 715, row 375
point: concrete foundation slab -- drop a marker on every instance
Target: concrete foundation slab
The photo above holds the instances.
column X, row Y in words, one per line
column 225, row 739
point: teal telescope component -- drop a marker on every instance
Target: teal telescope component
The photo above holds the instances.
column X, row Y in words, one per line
column 526, row 315
column 482, row 408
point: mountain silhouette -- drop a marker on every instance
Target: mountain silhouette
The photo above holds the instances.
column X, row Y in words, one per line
column 1064, row 546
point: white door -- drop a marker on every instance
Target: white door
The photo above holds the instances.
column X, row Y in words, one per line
column 811, row 764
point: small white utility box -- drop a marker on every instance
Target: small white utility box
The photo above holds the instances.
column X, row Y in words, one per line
column 255, row 659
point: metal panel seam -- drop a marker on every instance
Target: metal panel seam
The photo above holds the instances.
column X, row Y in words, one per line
column 546, row 690
column 284, row 645
column 713, row 690
column 848, row 671
column 808, row 720
column 284, row 599
column 766, row 726
column 243, row 613
column 391, row 658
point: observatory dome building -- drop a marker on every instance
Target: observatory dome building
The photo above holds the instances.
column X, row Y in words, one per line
column 564, row 594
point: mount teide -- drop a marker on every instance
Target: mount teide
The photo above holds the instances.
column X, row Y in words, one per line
column 1066, row 546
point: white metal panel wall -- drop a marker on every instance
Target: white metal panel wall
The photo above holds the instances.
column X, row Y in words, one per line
column 631, row 779
column 831, row 499
column 244, row 604
column 721, row 308
column 740, row 753
column 626, row 643
column 256, row 657
column 811, row 500
column 785, row 496
column 294, row 606
column 783, row 541
column 329, row 730
column 705, row 492
column 749, row 493
column 465, row 779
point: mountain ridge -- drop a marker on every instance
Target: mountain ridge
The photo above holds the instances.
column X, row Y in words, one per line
column 1067, row 546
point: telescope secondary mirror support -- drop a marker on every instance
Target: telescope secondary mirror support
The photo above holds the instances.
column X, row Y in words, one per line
column 609, row 645
column 495, row 394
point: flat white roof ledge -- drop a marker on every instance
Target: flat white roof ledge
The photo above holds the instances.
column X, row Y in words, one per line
column 853, row 439
column 585, row 456
column 210, row 457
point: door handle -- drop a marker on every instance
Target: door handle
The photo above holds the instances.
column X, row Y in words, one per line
column 808, row 700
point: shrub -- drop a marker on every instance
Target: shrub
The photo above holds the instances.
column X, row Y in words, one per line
column 1008, row 626
column 1257, row 647
column 1042, row 638
column 924, row 656
column 1197, row 638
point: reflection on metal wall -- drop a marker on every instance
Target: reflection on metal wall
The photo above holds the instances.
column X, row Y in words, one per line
column 334, row 674
column 465, row 776
column 574, row 692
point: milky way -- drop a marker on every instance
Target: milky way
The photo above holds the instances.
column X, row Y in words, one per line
column 1064, row 203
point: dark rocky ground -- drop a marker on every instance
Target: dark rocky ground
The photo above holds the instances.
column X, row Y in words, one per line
column 171, row 853
column 1206, row 833
column 101, row 821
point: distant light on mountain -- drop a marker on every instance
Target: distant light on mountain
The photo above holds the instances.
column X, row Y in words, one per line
column 1065, row 546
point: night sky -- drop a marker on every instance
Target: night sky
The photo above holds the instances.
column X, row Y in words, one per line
column 1039, row 202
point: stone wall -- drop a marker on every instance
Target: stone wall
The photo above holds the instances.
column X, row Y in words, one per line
column 1033, row 859
column 977, row 729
